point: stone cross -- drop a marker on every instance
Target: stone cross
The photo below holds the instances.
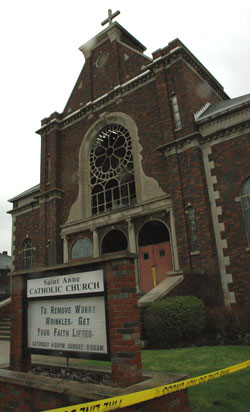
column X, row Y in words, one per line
column 110, row 17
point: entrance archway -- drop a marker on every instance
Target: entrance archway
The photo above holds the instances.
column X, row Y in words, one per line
column 154, row 254
column 114, row 241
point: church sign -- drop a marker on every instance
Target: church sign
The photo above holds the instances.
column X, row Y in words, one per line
column 67, row 314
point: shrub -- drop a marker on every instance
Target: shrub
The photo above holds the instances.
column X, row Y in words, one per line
column 174, row 321
column 228, row 326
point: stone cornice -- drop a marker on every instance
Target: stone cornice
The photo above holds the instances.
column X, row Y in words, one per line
column 225, row 121
column 39, row 199
column 161, row 63
column 179, row 144
column 120, row 215
column 90, row 261
column 116, row 93
column 197, row 139
column 187, row 56
column 49, row 195
column 24, row 209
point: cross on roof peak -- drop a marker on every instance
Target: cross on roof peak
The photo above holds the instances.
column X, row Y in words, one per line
column 110, row 17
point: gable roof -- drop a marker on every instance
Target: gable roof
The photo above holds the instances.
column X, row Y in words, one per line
column 223, row 106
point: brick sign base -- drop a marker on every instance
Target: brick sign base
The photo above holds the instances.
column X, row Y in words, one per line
column 22, row 392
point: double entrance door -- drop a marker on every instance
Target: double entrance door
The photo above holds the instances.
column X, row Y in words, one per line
column 155, row 261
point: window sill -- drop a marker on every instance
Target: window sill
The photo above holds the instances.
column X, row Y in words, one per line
column 248, row 249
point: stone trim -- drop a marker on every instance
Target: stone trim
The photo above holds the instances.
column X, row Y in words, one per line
column 216, row 211
column 201, row 110
column 235, row 119
column 91, row 260
column 147, row 188
column 121, row 90
column 134, row 50
column 117, row 216
column 117, row 92
column 49, row 195
column 24, row 209
column 196, row 140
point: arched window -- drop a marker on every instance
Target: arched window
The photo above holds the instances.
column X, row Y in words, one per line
column 81, row 248
column 114, row 241
column 153, row 232
column 192, row 229
column 28, row 254
column 112, row 178
column 245, row 201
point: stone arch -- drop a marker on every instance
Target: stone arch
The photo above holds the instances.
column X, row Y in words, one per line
column 114, row 240
column 146, row 187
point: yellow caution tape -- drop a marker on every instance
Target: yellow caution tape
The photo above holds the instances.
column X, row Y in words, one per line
column 122, row 401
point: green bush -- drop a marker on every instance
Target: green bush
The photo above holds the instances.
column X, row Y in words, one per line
column 174, row 321
column 228, row 326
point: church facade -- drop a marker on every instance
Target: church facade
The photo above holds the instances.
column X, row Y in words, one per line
column 149, row 156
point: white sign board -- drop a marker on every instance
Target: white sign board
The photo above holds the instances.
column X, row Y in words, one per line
column 77, row 324
column 77, row 283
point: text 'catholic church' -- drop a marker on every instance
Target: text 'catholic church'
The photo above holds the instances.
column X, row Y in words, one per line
column 149, row 156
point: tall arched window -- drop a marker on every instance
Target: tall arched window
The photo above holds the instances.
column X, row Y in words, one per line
column 112, row 178
column 28, row 254
column 193, row 229
column 245, row 201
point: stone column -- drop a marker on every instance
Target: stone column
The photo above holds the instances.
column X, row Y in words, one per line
column 65, row 250
column 96, row 250
column 131, row 237
column 132, row 248
column 174, row 242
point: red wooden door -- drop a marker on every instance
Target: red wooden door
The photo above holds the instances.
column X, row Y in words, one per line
column 156, row 256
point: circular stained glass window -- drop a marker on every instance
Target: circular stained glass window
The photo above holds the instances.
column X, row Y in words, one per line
column 111, row 153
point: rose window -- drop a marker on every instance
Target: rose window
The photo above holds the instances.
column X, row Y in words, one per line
column 112, row 169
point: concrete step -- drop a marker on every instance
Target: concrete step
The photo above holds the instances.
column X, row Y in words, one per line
column 5, row 325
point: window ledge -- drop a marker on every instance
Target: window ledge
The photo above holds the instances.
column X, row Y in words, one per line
column 196, row 252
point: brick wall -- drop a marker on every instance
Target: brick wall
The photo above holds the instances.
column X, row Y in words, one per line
column 23, row 398
column 231, row 161
column 123, row 319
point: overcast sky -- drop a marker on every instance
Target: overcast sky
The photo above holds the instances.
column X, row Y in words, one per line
column 40, row 63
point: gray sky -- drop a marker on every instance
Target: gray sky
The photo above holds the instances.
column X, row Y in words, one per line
column 40, row 63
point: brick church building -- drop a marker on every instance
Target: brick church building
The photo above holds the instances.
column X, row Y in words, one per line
column 149, row 156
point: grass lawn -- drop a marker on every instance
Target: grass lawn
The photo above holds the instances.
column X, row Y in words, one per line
column 228, row 394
